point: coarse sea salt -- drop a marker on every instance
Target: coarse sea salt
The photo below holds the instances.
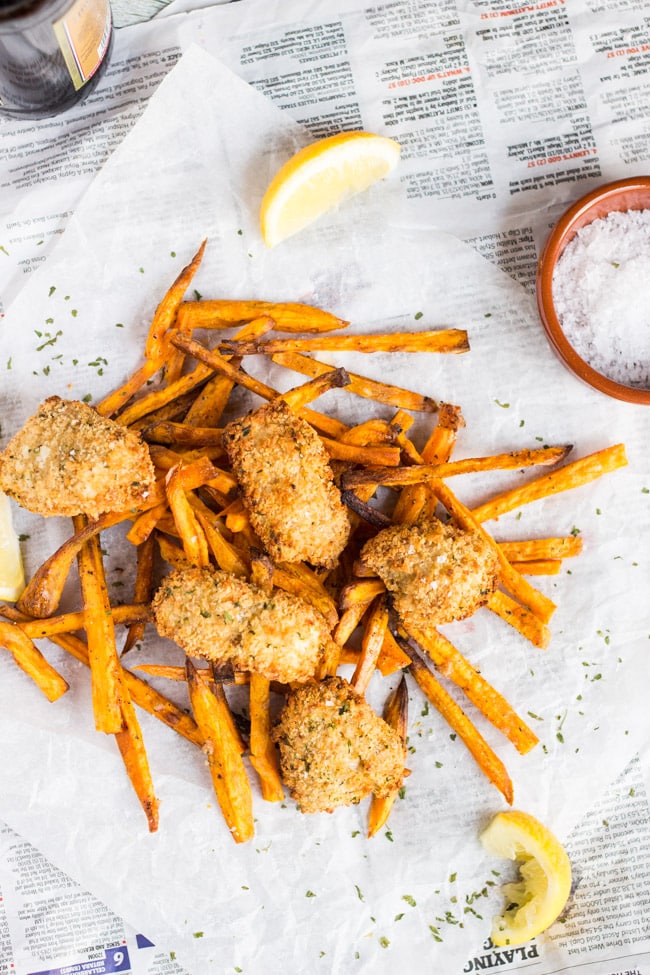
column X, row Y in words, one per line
column 601, row 293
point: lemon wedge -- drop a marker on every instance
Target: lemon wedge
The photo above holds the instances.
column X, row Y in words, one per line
column 538, row 898
column 12, row 576
column 321, row 176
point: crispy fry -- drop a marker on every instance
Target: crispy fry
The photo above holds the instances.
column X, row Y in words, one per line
column 360, row 385
column 565, row 478
column 354, row 454
column 31, row 660
column 42, row 593
column 108, row 692
column 360, row 591
column 161, row 397
column 221, row 364
column 297, row 578
column 144, row 524
column 416, row 473
column 132, row 385
column 452, row 664
column 222, row 750
column 182, row 435
column 289, row 316
column 143, row 589
column 521, row 618
column 537, row 567
column 374, row 630
column 167, row 310
column 417, row 500
column 263, row 754
column 365, row 511
column 145, row 696
column 395, row 715
column 38, row 629
column 311, row 390
column 131, row 745
column 225, row 554
column 445, row 340
column 192, row 535
column 208, row 407
column 171, row 553
column 489, row 763
column 542, row 548
column 370, row 432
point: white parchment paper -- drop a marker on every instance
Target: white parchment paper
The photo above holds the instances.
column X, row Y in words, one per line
column 310, row 893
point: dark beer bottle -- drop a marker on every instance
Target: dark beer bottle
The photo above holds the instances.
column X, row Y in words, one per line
column 52, row 53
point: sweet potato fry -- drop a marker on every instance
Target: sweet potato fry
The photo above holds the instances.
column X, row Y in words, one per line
column 182, row 435
column 537, row 567
column 221, row 364
column 42, row 593
column 195, row 544
column 487, row 760
column 572, row 475
column 360, row 385
column 521, row 618
column 30, row 659
column 542, row 548
column 313, row 388
column 39, row 629
column 108, row 692
column 451, row 663
column 417, row 473
column 227, row 557
column 302, row 581
column 356, row 454
column 212, row 399
column 222, row 751
column 395, row 715
column 360, row 591
column 289, row 316
column 144, row 524
column 445, row 340
column 161, row 397
column 143, row 589
column 145, row 696
column 134, row 755
column 262, row 750
column 167, row 310
column 374, row 631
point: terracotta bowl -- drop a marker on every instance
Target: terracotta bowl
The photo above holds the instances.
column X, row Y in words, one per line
column 624, row 194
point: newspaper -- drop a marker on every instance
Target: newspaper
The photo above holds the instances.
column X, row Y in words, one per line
column 305, row 911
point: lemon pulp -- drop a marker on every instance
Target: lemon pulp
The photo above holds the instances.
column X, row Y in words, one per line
column 537, row 899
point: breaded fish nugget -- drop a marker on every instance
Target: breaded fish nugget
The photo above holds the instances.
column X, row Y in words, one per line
column 287, row 485
column 68, row 460
column 435, row 572
column 334, row 749
column 216, row 615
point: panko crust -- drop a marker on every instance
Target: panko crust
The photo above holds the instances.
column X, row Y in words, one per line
column 68, row 460
column 287, row 485
column 334, row 749
column 213, row 614
column 435, row 572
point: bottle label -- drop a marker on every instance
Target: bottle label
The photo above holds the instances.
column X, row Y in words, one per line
column 83, row 34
